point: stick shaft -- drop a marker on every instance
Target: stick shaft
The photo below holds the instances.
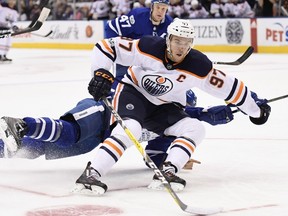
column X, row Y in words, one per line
column 269, row 101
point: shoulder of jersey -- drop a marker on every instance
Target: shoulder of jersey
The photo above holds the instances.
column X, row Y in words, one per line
column 195, row 62
column 152, row 45
column 168, row 19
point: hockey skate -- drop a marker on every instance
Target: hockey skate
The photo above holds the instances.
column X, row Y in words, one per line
column 11, row 131
column 4, row 59
column 88, row 182
column 168, row 171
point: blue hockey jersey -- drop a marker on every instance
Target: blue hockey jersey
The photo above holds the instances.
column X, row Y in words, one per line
column 136, row 24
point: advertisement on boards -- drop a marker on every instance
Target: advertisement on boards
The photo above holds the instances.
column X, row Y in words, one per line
column 222, row 31
column 65, row 34
column 273, row 32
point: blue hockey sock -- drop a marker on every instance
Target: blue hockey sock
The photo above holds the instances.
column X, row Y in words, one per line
column 45, row 129
column 50, row 130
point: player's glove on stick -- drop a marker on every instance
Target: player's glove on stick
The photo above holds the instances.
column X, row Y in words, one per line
column 217, row 115
column 265, row 110
column 214, row 115
column 100, row 85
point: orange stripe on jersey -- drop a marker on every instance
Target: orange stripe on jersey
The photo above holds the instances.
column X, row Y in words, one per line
column 181, row 141
column 238, row 93
column 107, row 47
column 115, row 103
column 119, row 151
column 133, row 76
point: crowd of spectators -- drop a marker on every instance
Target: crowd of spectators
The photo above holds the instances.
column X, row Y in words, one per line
column 109, row 9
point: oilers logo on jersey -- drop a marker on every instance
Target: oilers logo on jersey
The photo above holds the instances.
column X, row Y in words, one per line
column 156, row 85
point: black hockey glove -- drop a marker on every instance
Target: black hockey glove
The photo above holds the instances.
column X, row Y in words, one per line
column 15, row 28
column 265, row 110
column 100, row 85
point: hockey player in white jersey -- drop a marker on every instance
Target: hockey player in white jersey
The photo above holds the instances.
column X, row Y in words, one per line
column 8, row 17
column 151, row 95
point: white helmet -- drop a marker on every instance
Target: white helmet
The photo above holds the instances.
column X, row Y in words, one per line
column 181, row 28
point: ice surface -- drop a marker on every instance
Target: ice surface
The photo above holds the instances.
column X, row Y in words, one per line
column 244, row 167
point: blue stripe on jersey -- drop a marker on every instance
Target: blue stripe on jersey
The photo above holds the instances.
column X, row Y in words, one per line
column 243, row 98
column 110, row 153
column 183, row 148
column 106, row 53
column 233, row 90
column 119, row 142
column 188, row 139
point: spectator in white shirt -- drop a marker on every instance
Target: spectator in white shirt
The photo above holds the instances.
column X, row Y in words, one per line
column 216, row 9
column 99, row 10
column 197, row 10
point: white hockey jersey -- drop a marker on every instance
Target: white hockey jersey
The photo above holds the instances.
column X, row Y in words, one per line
column 162, row 81
column 8, row 17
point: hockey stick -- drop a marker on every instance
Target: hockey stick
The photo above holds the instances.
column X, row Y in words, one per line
column 37, row 25
column 268, row 101
column 278, row 98
column 42, row 17
column 46, row 35
column 42, row 4
column 240, row 60
column 158, row 172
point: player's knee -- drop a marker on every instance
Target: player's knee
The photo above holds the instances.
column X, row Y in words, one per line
column 188, row 127
column 133, row 126
column 196, row 132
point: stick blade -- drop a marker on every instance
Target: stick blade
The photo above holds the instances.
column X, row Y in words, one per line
column 44, row 14
column 203, row 211
column 240, row 60
column 247, row 53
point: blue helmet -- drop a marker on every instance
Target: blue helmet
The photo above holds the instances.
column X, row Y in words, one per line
column 191, row 98
column 160, row 1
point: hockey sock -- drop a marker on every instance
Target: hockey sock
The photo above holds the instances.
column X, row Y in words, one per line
column 50, row 130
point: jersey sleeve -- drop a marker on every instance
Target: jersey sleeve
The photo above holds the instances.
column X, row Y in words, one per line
column 119, row 50
column 232, row 90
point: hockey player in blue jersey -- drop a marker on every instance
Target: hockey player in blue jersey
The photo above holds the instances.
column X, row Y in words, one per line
column 141, row 21
column 73, row 134
column 137, row 23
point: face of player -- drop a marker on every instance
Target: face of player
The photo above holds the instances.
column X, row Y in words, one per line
column 158, row 12
column 179, row 47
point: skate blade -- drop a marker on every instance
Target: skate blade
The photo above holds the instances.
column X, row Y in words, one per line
column 9, row 141
column 5, row 62
column 157, row 185
column 94, row 191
